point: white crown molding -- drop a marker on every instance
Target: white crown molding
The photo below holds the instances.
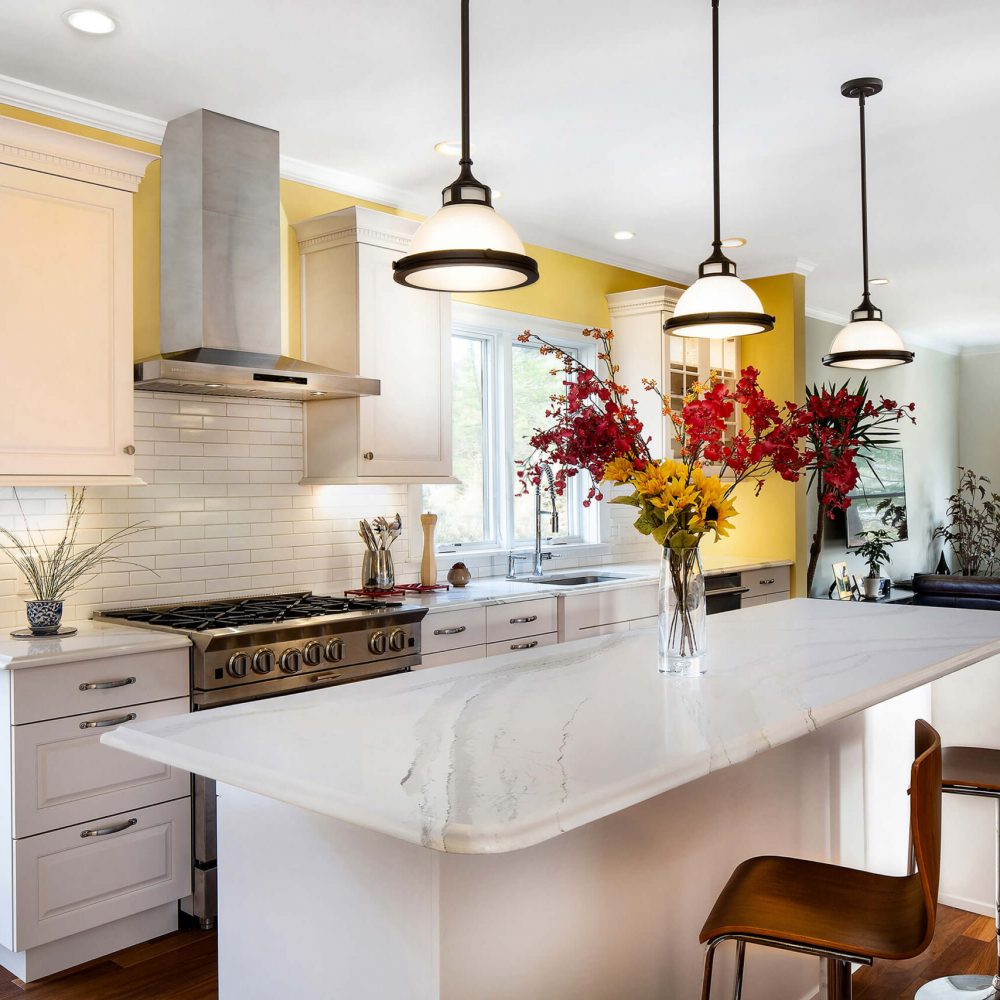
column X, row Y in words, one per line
column 640, row 301
column 58, row 104
column 765, row 267
column 65, row 154
column 342, row 182
column 979, row 350
column 355, row 225
column 827, row 315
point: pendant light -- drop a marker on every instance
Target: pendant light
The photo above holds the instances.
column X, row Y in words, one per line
column 465, row 246
column 866, row 342
column 718, row 305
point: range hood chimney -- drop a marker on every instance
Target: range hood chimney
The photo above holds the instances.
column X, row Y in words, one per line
column 220, row 270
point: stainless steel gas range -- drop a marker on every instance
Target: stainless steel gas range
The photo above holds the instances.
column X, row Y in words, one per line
column 261, row 647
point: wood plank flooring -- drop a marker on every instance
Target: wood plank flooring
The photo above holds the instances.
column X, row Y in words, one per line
column 181, row 966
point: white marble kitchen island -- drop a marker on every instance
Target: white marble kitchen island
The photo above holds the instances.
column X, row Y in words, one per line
column 555, row 825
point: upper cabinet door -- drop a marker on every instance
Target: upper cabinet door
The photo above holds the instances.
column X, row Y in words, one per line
column 66, row 317
column 405, row 342
column 65, row 306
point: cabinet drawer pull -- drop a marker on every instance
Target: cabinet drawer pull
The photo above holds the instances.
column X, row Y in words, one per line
column 524, row 645
column 457, row 630
column 129, row 449
column 368, row 455
column 765, row 583
column 106, row 685
column 525, row 620
column 103, row 831
column 104, row 723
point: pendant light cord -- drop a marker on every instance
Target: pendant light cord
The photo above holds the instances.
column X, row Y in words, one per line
column 466, row 144
column 715, row 122
column 864, row 200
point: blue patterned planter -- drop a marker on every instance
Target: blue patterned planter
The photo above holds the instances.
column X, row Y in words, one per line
column 44, row 616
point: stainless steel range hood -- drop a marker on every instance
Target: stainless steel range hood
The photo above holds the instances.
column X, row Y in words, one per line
column 220, row 270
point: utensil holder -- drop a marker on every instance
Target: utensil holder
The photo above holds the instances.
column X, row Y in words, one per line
column 368, row 571
column 385, row 573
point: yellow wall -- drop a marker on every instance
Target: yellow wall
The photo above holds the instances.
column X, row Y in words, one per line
column 770, row 525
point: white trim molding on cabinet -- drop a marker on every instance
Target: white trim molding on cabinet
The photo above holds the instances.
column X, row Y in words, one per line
column 66, row 306
column 356, row 318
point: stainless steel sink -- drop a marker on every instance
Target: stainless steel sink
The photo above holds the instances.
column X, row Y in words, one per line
column 574, row 581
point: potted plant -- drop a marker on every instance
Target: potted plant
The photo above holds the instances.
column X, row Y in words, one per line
column 973, row 525
column 53, row 570
column 875, row 552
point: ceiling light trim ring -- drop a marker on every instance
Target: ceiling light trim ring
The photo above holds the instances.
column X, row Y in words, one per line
column 434, row 259
column 839, row 357
column 763, row 320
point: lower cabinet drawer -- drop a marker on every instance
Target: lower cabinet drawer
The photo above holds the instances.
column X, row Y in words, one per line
column 521, row 645
column 452, row 656
column 753, row 602
column 83, row 876
column 772, row 580
column 452, row 630
column 521, row 618
column 63, row 774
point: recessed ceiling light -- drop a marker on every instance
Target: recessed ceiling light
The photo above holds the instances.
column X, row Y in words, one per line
column 90, row 21
column 623, row 234
column 878, row 281
column 732, row 242
column 451, row 147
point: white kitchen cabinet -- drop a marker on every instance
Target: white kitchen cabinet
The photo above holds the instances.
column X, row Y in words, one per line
column 582, row 614
column 447, row 630
column 66, row 306
column 773, row 583
column 519, row 619
column 97, row 842
column 460, row 655
column 356, row 318
column 522, row 645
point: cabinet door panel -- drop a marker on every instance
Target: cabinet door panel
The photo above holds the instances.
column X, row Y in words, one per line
column 453, row 630
column 405, row 341
column 66, row 321
column 521, row 618
column 63, row 774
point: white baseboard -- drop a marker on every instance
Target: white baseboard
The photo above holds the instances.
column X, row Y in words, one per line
column 961, row 903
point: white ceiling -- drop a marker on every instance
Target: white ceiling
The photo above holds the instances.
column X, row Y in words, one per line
column 593, row 116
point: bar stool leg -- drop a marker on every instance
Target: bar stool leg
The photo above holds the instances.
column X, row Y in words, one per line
column 741, row 952
column 838, row 979
column 973, row 987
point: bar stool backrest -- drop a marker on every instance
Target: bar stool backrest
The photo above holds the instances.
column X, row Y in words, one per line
column 925, row 817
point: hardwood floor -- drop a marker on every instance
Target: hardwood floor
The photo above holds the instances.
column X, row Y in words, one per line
column 181, row 966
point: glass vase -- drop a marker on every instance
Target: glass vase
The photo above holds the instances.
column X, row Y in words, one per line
column 682, row 610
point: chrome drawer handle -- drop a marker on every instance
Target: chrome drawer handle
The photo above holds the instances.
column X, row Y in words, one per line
column 524, row 621
column 106, row 685
column 525, row 645
column 319, row 678
column 104, row 723
column 103, row 831
column 764, row 583
column 450, row 631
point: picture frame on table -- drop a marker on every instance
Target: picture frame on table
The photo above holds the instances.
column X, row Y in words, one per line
column 842, row 581
column 858, row 587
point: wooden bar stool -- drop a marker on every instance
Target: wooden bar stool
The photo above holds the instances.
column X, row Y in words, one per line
column 840, row 914
column 971, row 771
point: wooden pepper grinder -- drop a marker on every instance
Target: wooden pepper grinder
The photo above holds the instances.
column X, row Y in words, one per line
column 428, row 564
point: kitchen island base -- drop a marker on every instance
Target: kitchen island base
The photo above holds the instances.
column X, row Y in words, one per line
column 609, row 910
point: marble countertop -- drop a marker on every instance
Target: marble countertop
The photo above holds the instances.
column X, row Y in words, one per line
column 93, row 641
column 500, row 754
column 500, row 590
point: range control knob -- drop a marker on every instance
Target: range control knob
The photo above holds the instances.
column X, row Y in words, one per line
column 377, row 642
column 397, row 640
column 263, row 661
column 313, row 654
column 291, row 661
column 238, row 665
column 335, row 650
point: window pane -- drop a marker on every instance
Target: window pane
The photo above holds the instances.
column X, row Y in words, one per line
column 462, row 510
column 532, row 386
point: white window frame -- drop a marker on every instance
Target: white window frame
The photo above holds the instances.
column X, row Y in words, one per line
column 499, row 329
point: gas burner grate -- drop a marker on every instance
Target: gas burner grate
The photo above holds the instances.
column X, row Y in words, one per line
column 269, row 610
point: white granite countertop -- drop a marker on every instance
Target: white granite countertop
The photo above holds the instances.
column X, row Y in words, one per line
column 500, row 754
column 500, row 590
column 93, row 641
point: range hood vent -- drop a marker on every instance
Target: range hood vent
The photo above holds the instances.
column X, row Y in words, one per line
column 220, row 270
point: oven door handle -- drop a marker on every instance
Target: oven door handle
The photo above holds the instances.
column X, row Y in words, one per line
column 728, row 591
column 318, row 678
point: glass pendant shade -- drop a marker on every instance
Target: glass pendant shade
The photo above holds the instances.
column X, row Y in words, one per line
column 443, row 255
column 867, row 344
column 719, row 306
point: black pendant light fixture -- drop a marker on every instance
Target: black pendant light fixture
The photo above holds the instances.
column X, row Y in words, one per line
column 718, row 305
column 866, row 342
column 466, row 246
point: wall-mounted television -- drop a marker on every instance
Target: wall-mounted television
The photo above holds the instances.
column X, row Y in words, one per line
column 881, row 479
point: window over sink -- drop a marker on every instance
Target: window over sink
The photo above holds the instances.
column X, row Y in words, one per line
column 500, row 391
